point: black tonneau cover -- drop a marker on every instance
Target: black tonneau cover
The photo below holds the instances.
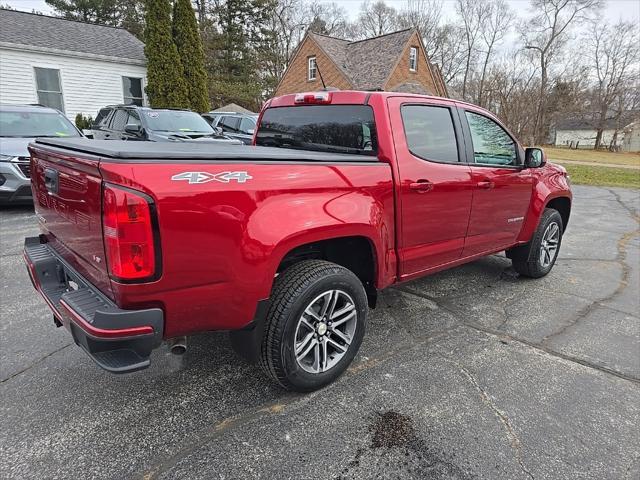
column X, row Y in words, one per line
column 122, row 150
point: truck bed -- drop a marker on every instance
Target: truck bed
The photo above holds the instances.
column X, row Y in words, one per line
column 132, row 151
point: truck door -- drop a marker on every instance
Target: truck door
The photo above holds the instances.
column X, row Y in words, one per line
column 502, row 186
column 433, row 183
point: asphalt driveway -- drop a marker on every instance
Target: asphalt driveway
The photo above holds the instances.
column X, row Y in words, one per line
column 470, row 373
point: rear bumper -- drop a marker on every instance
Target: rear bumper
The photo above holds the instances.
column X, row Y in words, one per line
column 119, row 341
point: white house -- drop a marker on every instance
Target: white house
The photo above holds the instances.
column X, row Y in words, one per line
column 73, row 66
column 631, row 141
column 578, row 132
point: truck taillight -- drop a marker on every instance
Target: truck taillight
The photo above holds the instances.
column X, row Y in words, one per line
column 319, row 98
column 128, row 234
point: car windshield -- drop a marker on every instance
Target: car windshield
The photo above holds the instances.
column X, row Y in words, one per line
column 176, row 121
column 325, row 128
column 35, row 124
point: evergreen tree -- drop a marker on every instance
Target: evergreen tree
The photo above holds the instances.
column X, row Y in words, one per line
column 189, row 44
column 114, row 13
column 232, row 52
column 166, row 87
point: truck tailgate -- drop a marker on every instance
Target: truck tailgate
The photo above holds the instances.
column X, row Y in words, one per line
column 67, row 192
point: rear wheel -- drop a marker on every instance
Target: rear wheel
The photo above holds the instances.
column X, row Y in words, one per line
column 536, row 259
column 315, row 324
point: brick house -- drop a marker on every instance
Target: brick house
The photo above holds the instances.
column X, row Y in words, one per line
column 393, row 62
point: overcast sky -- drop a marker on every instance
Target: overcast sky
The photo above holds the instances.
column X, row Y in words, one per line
column 614, row 9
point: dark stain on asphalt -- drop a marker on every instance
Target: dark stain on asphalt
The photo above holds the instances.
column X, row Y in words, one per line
column 392, row 429
column 395, row 443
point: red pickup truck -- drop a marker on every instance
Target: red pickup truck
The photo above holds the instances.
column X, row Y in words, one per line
column 284, row 243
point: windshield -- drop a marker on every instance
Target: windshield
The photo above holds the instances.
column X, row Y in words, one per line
column 35, row 124
column 176, row 121
column 326, row 128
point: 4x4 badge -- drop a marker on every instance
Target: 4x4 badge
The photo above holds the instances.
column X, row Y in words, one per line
column 204, row 177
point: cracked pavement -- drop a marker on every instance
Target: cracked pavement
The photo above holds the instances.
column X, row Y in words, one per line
column 470, row 373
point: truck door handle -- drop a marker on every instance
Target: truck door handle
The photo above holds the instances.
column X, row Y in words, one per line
column 421, row 186
column 486, row 184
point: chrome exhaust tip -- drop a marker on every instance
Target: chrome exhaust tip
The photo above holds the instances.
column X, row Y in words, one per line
column 178, row 345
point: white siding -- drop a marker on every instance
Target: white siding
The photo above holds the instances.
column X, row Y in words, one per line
column 632, row 139
column 87, row 85
column 585, row 137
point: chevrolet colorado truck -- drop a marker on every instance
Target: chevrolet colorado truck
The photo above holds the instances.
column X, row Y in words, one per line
column 284, row 243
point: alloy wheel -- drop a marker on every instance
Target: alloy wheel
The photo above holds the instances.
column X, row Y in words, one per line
column 325, row 331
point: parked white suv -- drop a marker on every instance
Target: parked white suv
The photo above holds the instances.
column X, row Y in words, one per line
column 19, row 125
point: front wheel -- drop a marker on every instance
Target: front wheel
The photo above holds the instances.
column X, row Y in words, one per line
column 315, row 325
column 536, row 259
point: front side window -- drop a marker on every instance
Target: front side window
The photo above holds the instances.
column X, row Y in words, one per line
column 413, row 59
column 49, row 88
column 132, row 91
column 491, row 144
column 312, row 69
column 133, row 119
column 430, row 133
column 323, row 128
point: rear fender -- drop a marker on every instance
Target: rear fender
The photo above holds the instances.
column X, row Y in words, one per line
column 316, row 217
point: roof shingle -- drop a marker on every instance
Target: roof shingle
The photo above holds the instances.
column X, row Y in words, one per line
column 355, row 59
column 59, row 34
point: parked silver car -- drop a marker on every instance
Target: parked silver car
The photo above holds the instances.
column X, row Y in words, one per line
column 19, row 125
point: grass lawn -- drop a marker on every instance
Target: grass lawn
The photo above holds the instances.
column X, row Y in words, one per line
column 604, row 176
column 598, row 156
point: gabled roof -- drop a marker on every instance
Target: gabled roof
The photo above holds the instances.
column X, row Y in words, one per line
column 52, row 34
column 366, row 63
column 234, row 108
column 589, row 120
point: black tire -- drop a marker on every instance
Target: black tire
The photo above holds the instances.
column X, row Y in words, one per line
column 527, row 259
column 293, row 292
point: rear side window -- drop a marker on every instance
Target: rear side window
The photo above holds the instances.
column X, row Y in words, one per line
column 333, row 128
column 102, row 117
column 229, row 124
column 430, row 133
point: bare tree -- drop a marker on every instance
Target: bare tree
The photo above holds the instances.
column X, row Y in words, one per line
column 545, row 33
column 377, row 18
column 615, row 55
column 494, row 28
column 473, row 14
column 449, row 52
column 328, row 19
column 424, row 16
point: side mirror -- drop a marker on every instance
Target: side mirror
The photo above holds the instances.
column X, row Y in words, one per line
column 133, row 129
column 534, row 157
column 217, row 131
column 251, row 131
column 87, row 132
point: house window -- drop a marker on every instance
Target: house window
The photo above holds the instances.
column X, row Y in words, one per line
column 48, row 88
column 313, row 69
column 132, row 91
column 413, row 59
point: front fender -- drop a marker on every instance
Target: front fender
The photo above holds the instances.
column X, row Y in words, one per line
column 550, row 182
